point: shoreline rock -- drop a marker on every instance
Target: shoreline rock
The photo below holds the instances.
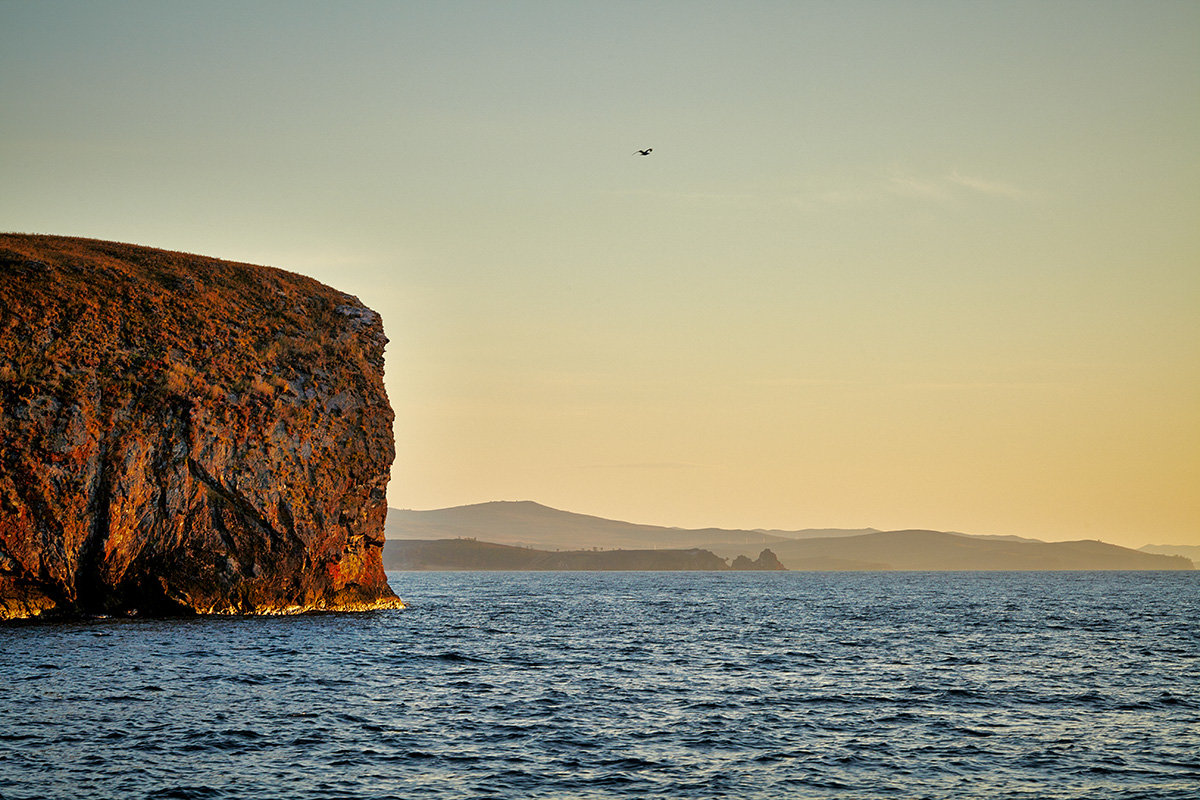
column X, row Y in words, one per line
column 184, row 435
column 766, row 562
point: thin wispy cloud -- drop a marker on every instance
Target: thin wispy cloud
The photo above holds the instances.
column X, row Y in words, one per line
column 935, row 189
column 946, row 188
column 951, row 187
column 728, row 198
column 875, row 384
column 648, row 465
column 988, row 187
column 793, row 383
column 981, row 384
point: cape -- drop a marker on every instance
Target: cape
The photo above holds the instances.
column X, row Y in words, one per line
column 182, row 435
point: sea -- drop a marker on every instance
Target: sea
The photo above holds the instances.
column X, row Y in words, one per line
column 1037, row 685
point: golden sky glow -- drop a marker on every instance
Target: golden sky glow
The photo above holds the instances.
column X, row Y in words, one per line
column 911, row 264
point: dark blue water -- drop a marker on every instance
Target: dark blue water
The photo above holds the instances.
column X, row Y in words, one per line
column 630, row 685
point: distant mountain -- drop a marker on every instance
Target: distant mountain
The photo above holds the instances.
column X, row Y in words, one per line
column 528, row 524
column 469, row 554
column 935, row 550
column 1189, row 551
column 523, row 525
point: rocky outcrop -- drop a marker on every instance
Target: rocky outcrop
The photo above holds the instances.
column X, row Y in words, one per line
column 185, row 435
column 766, row 561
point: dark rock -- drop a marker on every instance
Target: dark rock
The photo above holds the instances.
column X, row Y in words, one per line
column 766, row 561
column 183, row 435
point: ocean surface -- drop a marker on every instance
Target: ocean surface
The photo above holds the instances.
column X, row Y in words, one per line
column 629, row 685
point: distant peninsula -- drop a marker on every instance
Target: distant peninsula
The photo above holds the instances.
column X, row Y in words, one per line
column 526, row 535
column 469, row 554
column 185, row 435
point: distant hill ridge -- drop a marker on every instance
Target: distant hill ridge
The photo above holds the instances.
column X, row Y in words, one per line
column 470, row 554
column 527, row 524
column 1186, row 550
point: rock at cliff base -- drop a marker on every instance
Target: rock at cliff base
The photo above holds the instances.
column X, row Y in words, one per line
column 183, row 435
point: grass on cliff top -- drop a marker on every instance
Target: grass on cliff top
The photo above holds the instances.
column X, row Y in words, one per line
column 161, row 321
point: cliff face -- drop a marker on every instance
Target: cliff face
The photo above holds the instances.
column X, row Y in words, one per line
column 180, row 434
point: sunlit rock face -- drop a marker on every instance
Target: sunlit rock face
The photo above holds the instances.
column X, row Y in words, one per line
column 185, row 435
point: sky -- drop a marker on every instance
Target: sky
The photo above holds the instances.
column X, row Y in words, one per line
column 890, row 264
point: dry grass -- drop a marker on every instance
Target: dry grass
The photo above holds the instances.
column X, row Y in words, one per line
column 157, row 322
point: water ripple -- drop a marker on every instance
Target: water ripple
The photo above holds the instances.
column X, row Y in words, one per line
column 629, row 685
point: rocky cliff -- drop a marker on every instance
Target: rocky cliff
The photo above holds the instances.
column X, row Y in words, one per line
column 180, row 434
column 766, row 561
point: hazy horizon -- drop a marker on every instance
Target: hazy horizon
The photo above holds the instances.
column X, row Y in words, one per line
column 841, row 530
column 902, row 265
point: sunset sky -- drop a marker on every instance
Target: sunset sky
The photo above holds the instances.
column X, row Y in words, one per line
column 890, row 264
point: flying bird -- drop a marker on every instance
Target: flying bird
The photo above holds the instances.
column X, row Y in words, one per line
column 645, row 152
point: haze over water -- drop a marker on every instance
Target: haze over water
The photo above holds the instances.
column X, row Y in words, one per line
column 1039, row 686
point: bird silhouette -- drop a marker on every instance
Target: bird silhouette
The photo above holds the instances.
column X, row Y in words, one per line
column 645, row 152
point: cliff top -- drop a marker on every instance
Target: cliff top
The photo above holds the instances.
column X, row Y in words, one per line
column 191, row 323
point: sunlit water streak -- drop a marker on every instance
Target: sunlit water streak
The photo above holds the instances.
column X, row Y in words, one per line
column 630, row 685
